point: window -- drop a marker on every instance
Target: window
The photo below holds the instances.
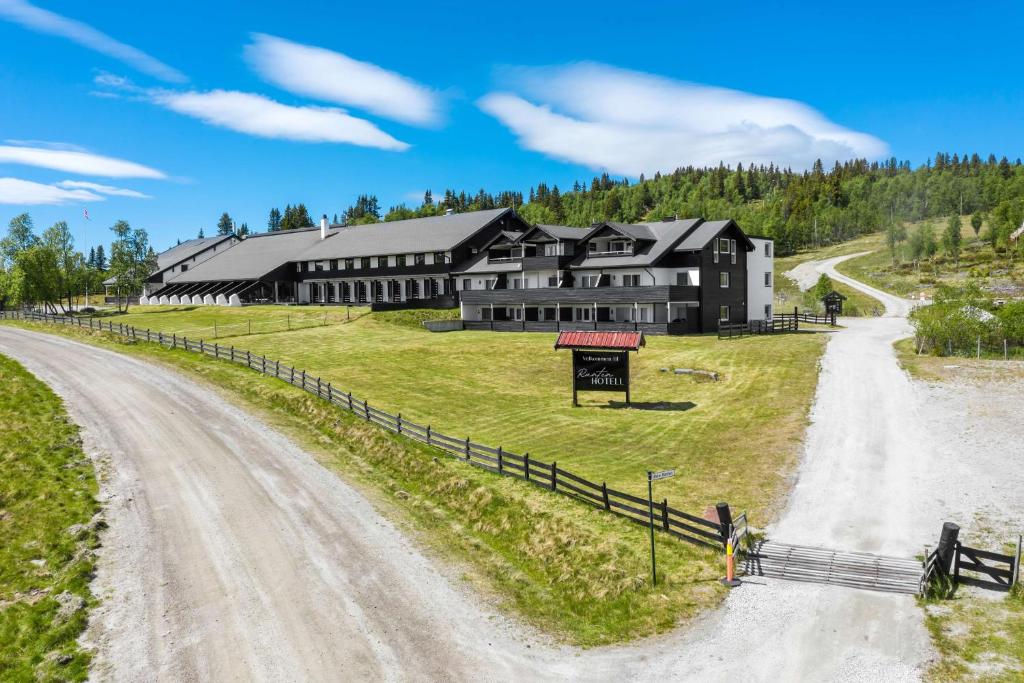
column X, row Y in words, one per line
column 334, row 264
column 439, row 257
column 350, row 264
column 184, row 267
column 553, row 249
column 516, row 313
column 768, row 249
column 631, row 280
column 723, row 313
column 589, row 281
column 732, row 246
column 723, row 246
column 767, row 311
column 518, row 283
column 490, row 284
column 586, row 314
column 467, row 284
column 767, row 279
column 319, row 266
column 382, row 261
column 714, row 251
column 419, row 259
column 683, row 279
column 723, row 279
column 643, row 314
column 485, row 313
column 364, row 262
column 400, row 260
column 298, row 267
column 592, row 247
column 553, row 281
column 620, row 247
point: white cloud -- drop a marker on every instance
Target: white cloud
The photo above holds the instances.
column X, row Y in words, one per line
column 262, row 116
column 44, row 21
column 73, row 161
column 102, row 189
column 631, row 123
column 333, row 77
column 26, row 192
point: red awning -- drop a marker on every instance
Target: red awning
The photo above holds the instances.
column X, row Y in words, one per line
column 600, row 340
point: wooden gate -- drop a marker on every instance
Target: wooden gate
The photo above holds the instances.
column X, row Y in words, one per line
column 994, row 571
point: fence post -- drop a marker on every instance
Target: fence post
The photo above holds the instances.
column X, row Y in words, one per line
column 318, row 389
column 467, row 449
column 604, row 495
column 500, row 461
column 554, row 475
column 947, row 545
column 664, row 514
column 1006, row 354
column 724, row 521
column 428, row 435
column 216, row 350
column 350, row 401
column 174, row 340
column 366, row 410
column 526, row 465
column 979, row 348
column 184, row 342
column 398, row 422
column 250, row 325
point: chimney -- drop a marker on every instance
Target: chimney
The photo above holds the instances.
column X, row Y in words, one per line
column 323, row 227
column 449, row 212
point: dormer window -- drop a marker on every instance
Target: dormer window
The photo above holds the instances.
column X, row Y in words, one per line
column 610, row 246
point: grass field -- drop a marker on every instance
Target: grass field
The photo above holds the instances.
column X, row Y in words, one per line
column 218, row 322
column 1002, row 274
column 731, row 440
column 47, row 486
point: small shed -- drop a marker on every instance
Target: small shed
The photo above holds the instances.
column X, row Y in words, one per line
column 833, row 303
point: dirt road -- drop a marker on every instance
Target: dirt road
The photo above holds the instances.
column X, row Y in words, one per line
column 232, row 555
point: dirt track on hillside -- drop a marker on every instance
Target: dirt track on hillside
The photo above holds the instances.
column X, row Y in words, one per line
column 233, row 555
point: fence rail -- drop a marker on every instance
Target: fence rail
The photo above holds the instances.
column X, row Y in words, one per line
column 773, row 326
column 991, row 570
column 548, row 475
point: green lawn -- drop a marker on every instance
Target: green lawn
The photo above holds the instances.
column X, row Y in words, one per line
column 47, row 486
column 732, row 440
column 215, row 322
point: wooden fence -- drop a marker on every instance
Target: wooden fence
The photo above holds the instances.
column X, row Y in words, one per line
column 987, row 569
column 773, row 326
column 547, row 475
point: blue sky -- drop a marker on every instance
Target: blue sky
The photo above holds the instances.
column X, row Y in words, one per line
column 211, row 107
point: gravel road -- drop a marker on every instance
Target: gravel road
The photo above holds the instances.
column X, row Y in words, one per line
column 233, row 555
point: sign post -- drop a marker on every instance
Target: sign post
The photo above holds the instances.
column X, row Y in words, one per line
column 651, row 478
column 599, row 371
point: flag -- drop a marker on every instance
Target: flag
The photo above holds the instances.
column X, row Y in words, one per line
column 85, row 212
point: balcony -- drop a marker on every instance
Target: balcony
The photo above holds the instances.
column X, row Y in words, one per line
column 582, row 295
column 553, row 326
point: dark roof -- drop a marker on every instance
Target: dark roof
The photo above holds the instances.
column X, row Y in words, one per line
column 561, row 232
column 665, row 233
column 638, row 231
column 705, row 232
column 832, row 295
column 631, row 341
column 186, row 250
column 415, row 235
column 253, row 257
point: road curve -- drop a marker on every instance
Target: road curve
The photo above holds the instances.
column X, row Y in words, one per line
column 232, row 555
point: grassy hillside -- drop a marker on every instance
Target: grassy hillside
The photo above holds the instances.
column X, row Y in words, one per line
column 999, row 272
column 47, row 500
column 214, row 322
column 788, row 295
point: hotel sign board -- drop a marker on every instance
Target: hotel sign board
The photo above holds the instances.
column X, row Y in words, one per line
column 600, row 371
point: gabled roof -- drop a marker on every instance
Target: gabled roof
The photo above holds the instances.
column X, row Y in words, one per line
column 666, row 234
column 705, row 232
column 186, row 250
column 559, row 232
column 584, row 339
column 638, row 231
column 415, row 235
column 253, row 257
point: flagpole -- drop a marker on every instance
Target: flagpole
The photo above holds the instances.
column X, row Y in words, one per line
column 85, row 230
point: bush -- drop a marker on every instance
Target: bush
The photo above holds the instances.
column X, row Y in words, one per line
column 955, row 325
column 1011, row 317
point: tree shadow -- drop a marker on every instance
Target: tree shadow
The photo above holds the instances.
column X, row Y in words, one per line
column 652, row 405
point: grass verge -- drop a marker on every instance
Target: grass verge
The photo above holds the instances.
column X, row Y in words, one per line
column 47, row 533
column 572, row 571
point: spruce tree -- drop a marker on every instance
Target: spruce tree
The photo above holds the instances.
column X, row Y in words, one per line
column 274, row 221
column 225, row 226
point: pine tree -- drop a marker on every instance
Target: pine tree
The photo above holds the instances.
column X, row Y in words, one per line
column 200, row 235
column 243, row 230
column 101, row 258
column 428, row 198
column 91, row 261
column 274, row 221
column 225, row 226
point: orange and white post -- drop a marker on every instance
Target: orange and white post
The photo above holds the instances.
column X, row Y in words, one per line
column 730, row 565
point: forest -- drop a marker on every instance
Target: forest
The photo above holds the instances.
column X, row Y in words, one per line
column 797, row 209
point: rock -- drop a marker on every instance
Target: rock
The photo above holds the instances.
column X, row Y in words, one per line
column 70, row 604
column 404, row 495
column 76, row 530
column 60, row 658
column 39, row 562
column 664, row 370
